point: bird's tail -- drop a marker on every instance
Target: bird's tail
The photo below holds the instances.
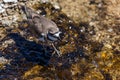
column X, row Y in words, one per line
column 27, row 11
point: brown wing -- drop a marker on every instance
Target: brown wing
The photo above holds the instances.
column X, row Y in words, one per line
column 38, row 27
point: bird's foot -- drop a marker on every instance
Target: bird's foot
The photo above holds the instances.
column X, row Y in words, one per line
column 56, row 51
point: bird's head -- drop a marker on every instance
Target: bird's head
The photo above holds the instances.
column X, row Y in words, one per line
column 54, row 33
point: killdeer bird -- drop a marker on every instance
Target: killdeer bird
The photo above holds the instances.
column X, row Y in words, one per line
column 44, row 28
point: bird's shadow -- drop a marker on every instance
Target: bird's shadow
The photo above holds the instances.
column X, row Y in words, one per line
column 35, row 53
column 31, row 50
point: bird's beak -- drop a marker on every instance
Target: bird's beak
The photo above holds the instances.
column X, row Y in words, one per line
column 57, row 34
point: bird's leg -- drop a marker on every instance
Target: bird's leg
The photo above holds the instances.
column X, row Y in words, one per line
column 44, row 46
column 57, row 51
column 43, row 40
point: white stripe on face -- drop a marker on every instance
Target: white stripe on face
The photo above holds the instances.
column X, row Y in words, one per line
column 57, row 34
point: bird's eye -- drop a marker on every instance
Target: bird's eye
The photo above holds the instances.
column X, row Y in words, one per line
column 51, row 31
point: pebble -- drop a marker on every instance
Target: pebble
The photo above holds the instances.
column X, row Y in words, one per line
column 3, row 60
column 6, row 1
column 1, row 9
column 55, row 5
column 44, row 1
column 108, row 46
column 110, row 30
column 6, row 22
column 7, row 43
column 10, row 11
column 2, row 5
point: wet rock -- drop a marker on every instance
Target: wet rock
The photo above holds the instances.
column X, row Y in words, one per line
column 7, row 43
column 3, row 61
